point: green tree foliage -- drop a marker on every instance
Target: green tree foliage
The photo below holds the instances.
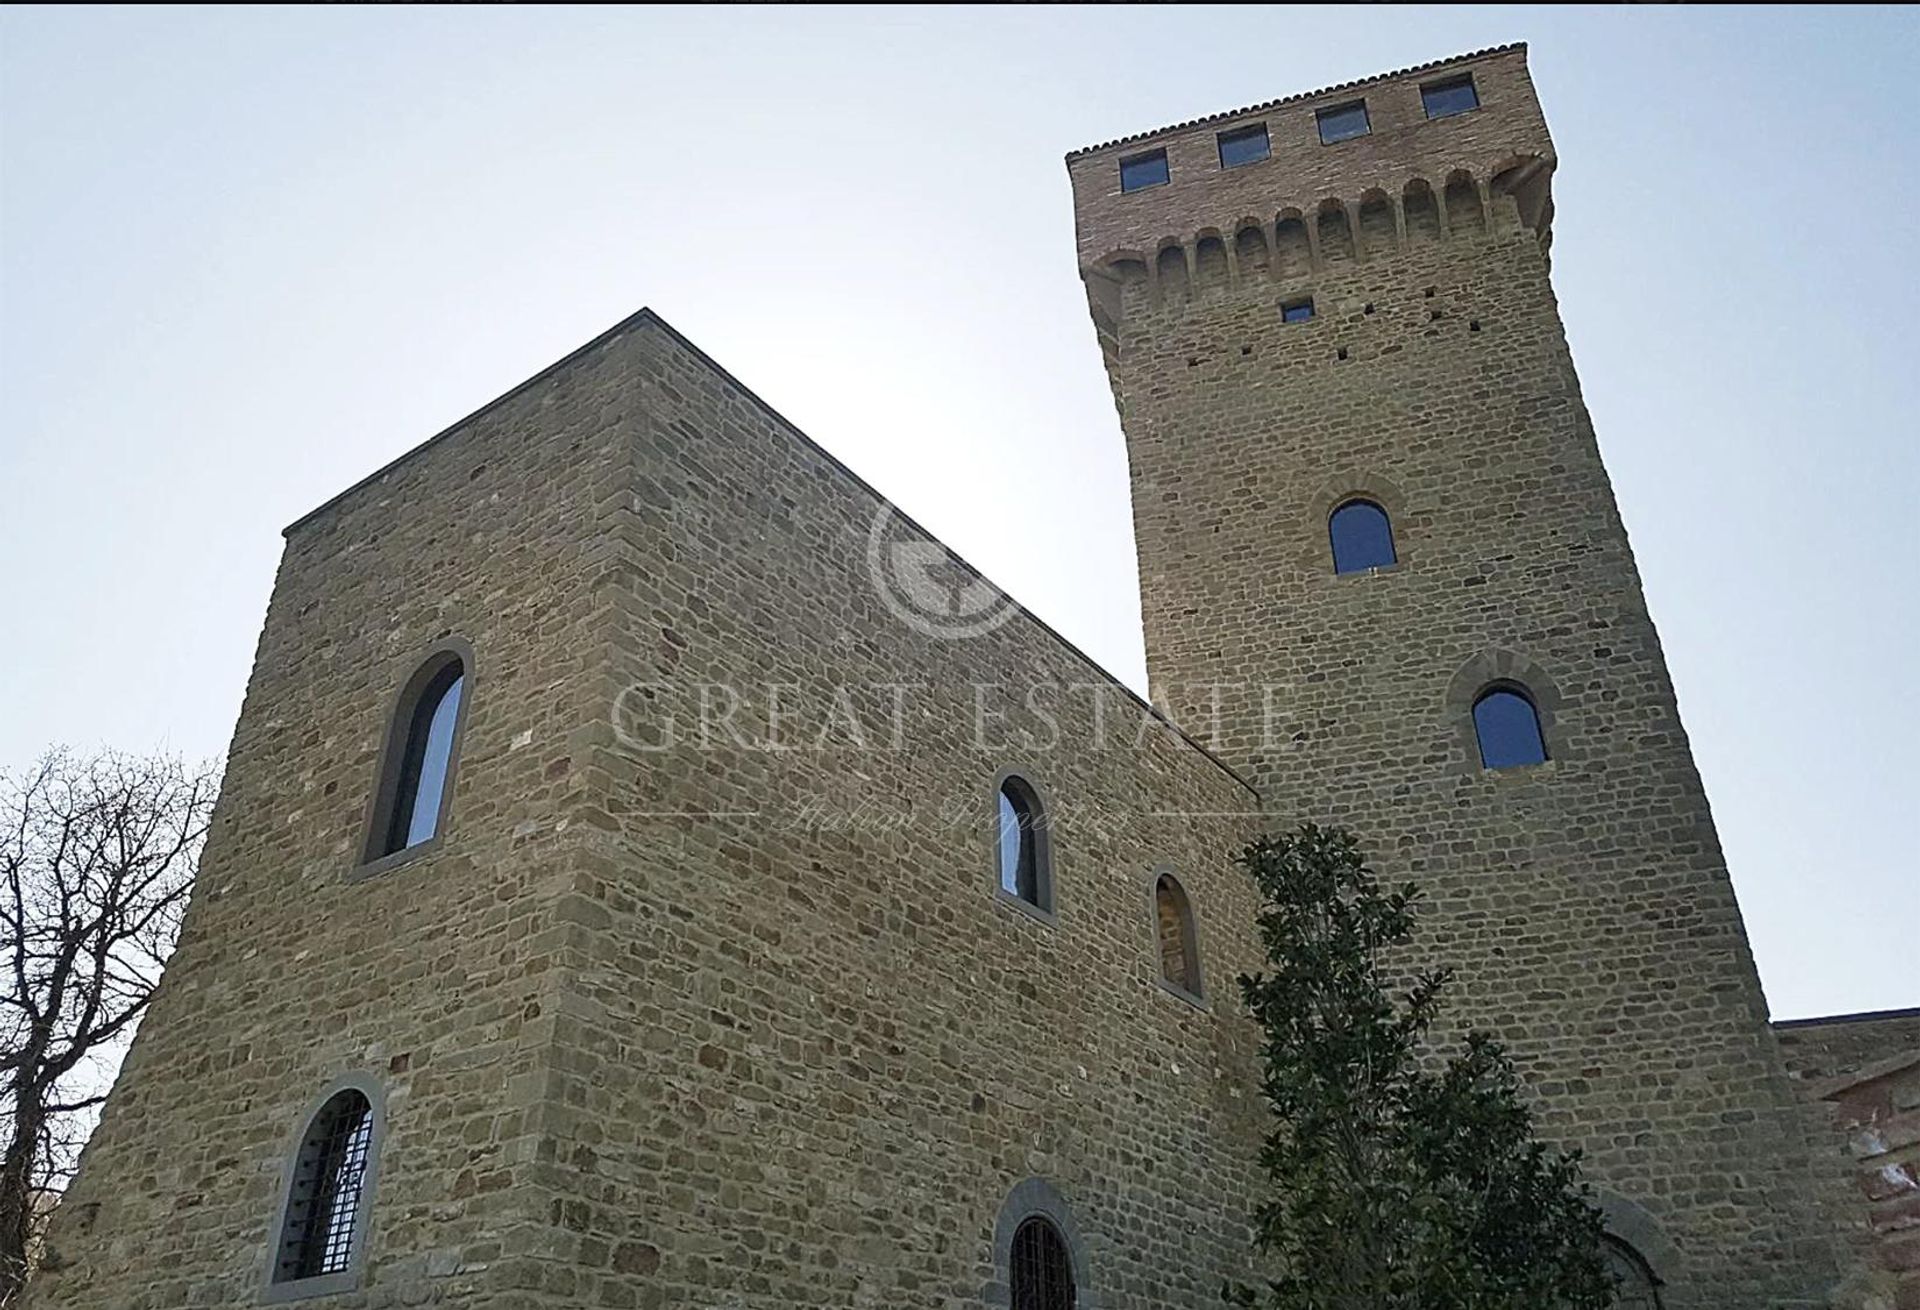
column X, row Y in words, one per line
column 1399, row 1182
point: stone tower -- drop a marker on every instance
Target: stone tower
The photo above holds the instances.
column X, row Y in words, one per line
column 610, row 902
column 1342, row 298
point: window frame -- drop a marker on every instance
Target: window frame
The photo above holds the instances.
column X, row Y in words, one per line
column 1320, row 117
column 401, row 717
column 1448, row 84
column 275, row 1292
column 1046, row 909
column 1196, row 995
column 1059, row 1253
column 1333, row 542
column 1299, row 302
column 1510, row 687
column 1479, row 674
column 1035, row 1197
column 1243, row 132
column 1166, row 166
column 1621, row 1251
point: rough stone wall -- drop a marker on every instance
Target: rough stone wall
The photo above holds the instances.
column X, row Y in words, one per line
column 1820, row 1050
column 1859, row 1075
column 1585, row 901
column 437, row 977
column 809, row 1050
column 721, row 1024
column 1878, row 1111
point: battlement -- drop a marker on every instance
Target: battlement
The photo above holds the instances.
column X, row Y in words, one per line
column 1471, row 121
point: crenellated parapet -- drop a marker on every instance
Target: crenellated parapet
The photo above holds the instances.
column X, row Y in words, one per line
column 1283, row 192
column 1302, row 239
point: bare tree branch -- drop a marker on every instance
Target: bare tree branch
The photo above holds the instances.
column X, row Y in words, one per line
column 97, row 859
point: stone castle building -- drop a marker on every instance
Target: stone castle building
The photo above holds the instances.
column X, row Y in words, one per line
column 652, row 873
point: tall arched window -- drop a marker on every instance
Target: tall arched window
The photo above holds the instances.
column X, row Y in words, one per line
column 1638, row 1289
column 1362, row 537
column 1507, row 725
column 1025, row 874
column 423, row 745
column 322, row 1229
column 1042, row 1271
column 1174, row 932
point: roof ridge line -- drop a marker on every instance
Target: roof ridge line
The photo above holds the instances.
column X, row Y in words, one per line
column 1297, row 96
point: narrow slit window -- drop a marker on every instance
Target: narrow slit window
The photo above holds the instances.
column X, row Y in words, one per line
column 1456, row 95
column 1142, row 171
column 1244, row 145
column 1343, row 122
column 1022, row 842
column 1507, row 725
column 1175, row 936
column 417, row 765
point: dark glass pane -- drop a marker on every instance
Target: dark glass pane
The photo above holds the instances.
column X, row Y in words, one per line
column 1362, row 537
column 1343, row 123
column 1454, row 97
column 1246, row 145
column 435, row 754
column 1298, row 313
column 1041, row 1273
column 1143, row 171
column 1509, row 730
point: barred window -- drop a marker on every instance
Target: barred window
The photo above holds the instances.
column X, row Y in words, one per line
column 1042, row 1272
column 322, row 1226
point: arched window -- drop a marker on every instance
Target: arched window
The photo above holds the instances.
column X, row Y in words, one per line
column 1362, row 537
column 1025, row 872
column 1175, row 935
column 1638, row 1289
column 423, row 745
column 322, row 1230
column 1042, row 1271
column 1508, row 728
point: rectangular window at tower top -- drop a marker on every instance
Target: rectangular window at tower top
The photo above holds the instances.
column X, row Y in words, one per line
column 1343, row 122
column 1453, row 96
column 1298, row 311
column 1143, row 171
column 1244, row 145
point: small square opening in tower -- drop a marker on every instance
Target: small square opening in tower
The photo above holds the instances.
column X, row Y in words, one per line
column 1297, row 311
column 1144, row 171
column 1244, row 145
column 1456, row 95
column 1343, row 122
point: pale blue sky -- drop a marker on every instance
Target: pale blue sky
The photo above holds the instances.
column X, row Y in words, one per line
column 249, row 256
